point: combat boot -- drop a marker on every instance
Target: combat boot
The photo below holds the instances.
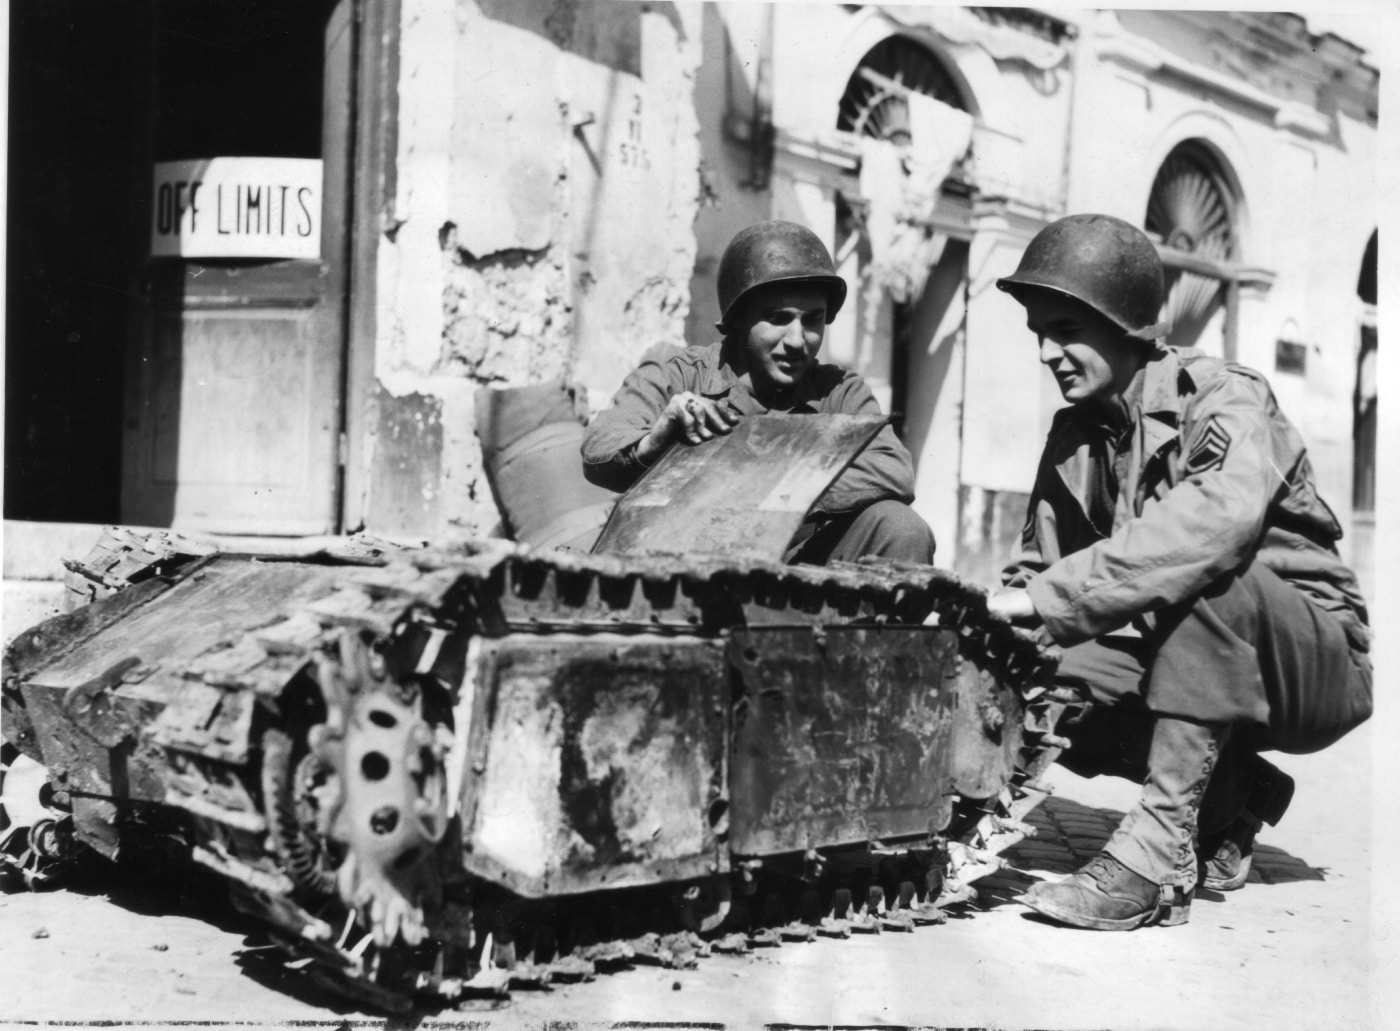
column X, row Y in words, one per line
column 1147, row 871
column 1228, row 855
column 1104, row 895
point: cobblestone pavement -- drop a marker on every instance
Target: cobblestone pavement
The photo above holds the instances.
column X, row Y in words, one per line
column 1292, row 950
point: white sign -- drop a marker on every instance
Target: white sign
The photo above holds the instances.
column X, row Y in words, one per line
column 237, row 208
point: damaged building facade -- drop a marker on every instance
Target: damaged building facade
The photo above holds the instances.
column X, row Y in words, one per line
column 513, row 192
column 931, row 144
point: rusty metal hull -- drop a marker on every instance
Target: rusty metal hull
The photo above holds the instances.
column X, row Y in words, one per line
column 374, row 744
column 840, row 735
column 595, row 762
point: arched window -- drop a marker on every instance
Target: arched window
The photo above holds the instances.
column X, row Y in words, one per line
column 913, row 129
column 875, row 103
column 1192, row 214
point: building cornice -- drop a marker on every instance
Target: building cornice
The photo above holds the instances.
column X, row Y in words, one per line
column 1145, row 57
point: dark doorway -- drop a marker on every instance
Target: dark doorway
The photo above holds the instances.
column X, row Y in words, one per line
column 102, row 339
column 239, row 77
column 77, row 119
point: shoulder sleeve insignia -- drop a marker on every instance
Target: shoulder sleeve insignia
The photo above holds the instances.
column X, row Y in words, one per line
column 1029, row 527
column 1210, row 447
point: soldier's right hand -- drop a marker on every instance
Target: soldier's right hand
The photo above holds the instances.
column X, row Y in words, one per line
column 693, row 418
column 689, row 418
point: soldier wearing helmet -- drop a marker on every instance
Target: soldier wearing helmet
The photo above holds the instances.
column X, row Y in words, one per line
column 1177, row 549
column 778, row 291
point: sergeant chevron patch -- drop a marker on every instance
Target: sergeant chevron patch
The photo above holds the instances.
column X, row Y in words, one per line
column 1211, row 447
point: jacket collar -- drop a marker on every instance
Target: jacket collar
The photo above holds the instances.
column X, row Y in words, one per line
column 1161, row 386
column 1162, row 399
column 1157, row 415
column 720, row 377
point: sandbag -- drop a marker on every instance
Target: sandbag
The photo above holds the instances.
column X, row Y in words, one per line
column 530, row 440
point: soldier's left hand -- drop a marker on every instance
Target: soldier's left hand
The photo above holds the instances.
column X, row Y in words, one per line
column 1014, row 605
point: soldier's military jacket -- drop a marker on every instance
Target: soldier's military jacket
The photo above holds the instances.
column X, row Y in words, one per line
column 1210, row 475
column 882, row 471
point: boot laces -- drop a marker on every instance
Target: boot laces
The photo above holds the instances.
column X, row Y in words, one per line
column 1103, row 869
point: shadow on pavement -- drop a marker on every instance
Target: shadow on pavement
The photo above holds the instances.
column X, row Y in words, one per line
column 266, row 965
column 1069, row 834
column 1275, row 866
column 153, row 885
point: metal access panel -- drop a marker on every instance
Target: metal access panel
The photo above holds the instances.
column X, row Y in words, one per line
column 986, row 733
column 841, row 735
column 743, row 494
column 94, row 703
column 594, row 761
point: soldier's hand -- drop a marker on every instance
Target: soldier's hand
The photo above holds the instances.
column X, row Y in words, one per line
column 698, row 418
column 689, row 418
column 1014, row 605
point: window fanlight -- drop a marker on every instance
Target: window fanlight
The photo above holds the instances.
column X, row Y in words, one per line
column 1191, row 211
column 874, row 103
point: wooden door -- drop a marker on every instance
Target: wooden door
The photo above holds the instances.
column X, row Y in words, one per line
column 235, row 389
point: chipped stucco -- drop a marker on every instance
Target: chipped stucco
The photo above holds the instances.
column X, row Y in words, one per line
column 543, row 220
column 507, row 317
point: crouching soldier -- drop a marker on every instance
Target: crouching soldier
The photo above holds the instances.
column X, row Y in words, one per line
column 778, row 291
column 1177, row 548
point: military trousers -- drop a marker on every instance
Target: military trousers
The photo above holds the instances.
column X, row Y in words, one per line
column 1253, row 662
column 887, row 529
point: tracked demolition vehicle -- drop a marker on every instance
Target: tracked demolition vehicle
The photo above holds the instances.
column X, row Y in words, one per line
column 434, row 772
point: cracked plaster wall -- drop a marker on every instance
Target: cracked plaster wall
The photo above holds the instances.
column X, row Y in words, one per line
column 542, row 226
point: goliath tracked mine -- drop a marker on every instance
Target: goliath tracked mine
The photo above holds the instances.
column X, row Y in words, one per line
column 434, row 773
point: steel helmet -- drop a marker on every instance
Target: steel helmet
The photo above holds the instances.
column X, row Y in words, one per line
column 1107, row 263
column 777, row 252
